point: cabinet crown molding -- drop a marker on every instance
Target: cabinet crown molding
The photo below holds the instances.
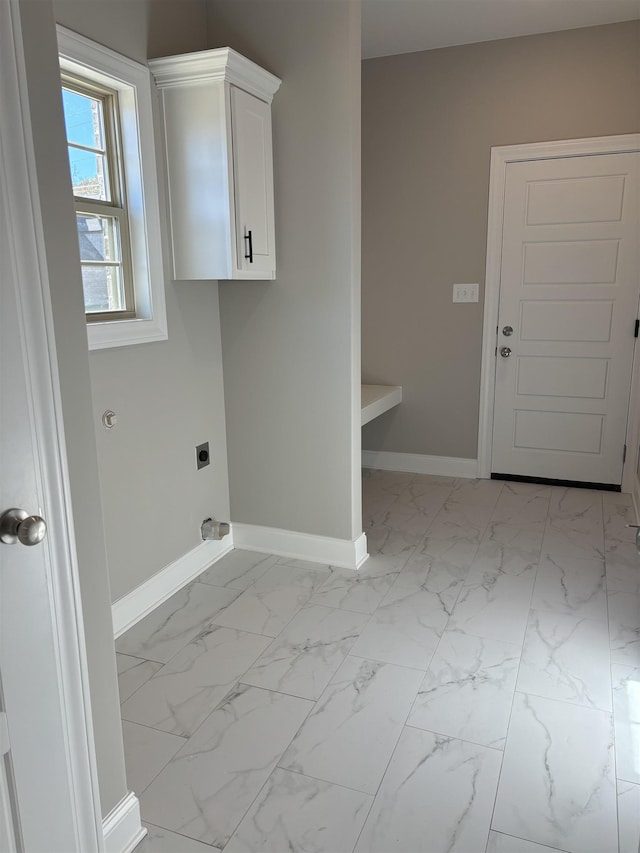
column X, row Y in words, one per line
column 221, row 64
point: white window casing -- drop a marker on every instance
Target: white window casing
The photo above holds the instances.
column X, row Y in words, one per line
column 91, row 61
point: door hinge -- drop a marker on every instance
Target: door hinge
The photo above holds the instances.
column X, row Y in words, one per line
column 637, row 329
column 624, row 454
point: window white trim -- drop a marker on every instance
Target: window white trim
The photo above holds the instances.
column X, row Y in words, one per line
column 132, row 81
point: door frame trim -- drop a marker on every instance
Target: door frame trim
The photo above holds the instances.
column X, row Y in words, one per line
column 501, row 157
column 28, row 255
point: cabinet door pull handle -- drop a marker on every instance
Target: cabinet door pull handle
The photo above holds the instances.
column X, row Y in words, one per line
column 248, row 236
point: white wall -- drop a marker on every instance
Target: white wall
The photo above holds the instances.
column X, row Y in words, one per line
column 291, row 347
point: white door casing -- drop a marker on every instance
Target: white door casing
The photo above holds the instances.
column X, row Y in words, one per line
column 562, row 269
column 49, row 783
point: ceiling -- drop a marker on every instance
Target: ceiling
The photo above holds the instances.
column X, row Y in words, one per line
column 404, row 26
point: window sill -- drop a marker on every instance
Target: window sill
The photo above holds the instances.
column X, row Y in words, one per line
column 123, row 333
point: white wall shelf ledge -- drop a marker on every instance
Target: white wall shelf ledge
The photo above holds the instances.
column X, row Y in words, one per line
column 377, row 399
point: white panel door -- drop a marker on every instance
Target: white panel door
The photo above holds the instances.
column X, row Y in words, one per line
column 253, row 182
column 38, row 808
column 569, row 283
column 48, row 796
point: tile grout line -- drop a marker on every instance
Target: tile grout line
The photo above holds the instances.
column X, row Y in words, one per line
column 405, row 726
column 402, row 727
column 174, row 832
column 506, row 737
column 454, row 737
column 613, row 706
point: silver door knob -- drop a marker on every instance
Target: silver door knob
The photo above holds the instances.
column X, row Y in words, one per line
column 508, row 330
column 17, row 526
column 505, row 352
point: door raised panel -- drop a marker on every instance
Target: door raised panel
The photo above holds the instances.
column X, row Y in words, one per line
column 569, row 432
column 565, row 202
column 253, row 171
column 251, row 127
column 575, row 262
column 576, row 321
column 552, row 376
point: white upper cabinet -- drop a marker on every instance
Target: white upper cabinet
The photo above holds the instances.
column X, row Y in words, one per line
column 217, row 122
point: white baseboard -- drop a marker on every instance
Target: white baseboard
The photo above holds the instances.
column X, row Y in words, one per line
column 121, row 828
column 301, row 546
column 129, row 609
column 361, row 553
column 418, row 463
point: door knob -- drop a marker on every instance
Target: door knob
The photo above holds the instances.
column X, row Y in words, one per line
column 17, row 526
column 505, row 352
column 508, row 330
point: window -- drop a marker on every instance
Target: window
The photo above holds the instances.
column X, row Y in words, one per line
column 91, row 119
column 108, row 116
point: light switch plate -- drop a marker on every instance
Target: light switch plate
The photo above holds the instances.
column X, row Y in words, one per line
column 466, row 292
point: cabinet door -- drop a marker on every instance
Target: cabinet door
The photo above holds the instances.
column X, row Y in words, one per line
column 253, row 185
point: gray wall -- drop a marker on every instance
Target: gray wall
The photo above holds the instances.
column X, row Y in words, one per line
column 429, row 122
column 291, row 365
column 140, row 29
column 63, row 266
column 168, row 395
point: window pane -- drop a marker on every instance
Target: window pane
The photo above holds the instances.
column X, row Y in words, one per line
column 103, row 289
column 89, row 174
column 98, row 237
column 83, row 119
column 101, row 256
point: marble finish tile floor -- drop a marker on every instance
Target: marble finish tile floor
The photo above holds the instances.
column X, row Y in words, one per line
column 474, row 688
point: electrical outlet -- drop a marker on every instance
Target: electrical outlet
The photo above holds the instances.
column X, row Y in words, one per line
column 202, row 455
column 466, row 292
